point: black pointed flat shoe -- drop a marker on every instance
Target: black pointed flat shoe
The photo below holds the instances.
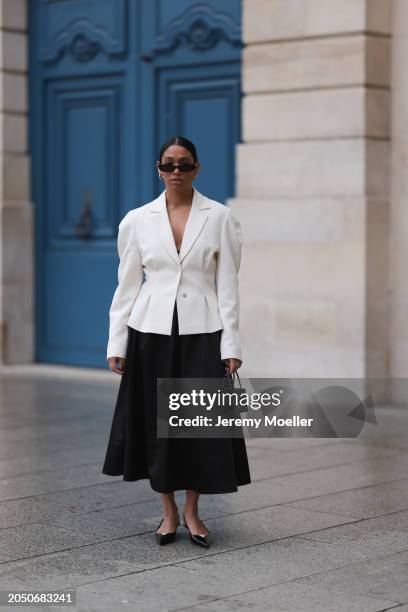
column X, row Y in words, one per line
column 196, row 538
column 165, row 538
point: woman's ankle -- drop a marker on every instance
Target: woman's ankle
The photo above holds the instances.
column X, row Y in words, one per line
column 171, row 510
column 190, row 512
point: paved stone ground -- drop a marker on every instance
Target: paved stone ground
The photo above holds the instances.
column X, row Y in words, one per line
column 322, row 527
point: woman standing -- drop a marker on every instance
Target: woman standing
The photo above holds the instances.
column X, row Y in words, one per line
column 182, row 320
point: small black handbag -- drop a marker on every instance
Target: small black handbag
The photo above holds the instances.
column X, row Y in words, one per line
column 228, row 384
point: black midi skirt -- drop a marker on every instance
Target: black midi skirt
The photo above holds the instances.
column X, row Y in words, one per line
column 206, row 465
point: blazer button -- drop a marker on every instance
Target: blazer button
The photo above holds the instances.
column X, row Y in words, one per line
column 184, row 294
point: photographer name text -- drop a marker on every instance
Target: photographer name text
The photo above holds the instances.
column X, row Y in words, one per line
column 274, row 421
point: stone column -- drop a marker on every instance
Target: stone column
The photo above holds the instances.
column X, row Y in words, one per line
column 16, row 214
column 399, row 206
column 313, row 188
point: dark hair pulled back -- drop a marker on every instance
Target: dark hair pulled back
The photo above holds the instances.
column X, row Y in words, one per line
column 179, row 140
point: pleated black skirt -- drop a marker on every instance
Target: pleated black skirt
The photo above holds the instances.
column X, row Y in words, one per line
column 206, row 465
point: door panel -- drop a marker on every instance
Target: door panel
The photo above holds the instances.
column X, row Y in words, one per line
column 204, row 103
column 84, row 139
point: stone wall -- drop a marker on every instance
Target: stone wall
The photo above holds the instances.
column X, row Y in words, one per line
column 399, row 201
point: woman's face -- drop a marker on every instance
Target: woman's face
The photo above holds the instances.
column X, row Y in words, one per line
column 177, row 181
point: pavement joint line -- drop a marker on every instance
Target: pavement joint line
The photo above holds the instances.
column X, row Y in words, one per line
column 299, row 536
column 208, row 518
column 353, row 519
column 57, row 372
column 309, row 470
column 324, row 446
column 387, row 482
column 335, row 466
column 289, row 505
column 375, row 484
column 345, row 546
column 397, row 454
column 32, row 474
column 150, row 531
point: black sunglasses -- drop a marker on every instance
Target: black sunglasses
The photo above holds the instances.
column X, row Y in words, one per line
column 172, row 167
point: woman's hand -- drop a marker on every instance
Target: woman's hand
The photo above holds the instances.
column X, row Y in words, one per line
column 233, row 364
column 112, row 364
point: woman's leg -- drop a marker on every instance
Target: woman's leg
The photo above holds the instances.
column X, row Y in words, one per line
column 191, row 513
column 170, row 513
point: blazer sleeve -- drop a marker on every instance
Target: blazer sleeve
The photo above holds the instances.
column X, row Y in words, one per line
column 130, row 278
column 228, row 264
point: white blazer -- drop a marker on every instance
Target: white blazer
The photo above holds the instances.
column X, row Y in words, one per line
column 202, row 278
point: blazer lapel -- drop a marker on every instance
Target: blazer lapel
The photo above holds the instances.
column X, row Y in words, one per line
column 195, row 223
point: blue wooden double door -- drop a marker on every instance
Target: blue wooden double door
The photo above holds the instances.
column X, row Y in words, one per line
column 110, row 81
